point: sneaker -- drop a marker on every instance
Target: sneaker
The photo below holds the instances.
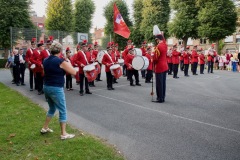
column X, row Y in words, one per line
column 46, row 130
column 67, row 136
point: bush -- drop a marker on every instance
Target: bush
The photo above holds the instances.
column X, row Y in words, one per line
column 2, row 63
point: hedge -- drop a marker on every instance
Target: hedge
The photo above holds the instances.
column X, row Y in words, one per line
column 2, row 63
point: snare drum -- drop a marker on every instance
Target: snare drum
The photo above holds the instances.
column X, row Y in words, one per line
column 97, row 67
column 33, row 66
column 140, row 63
column 121, row 62
column 90, row 72
column 137, row 51
column 116, row 70
column 100, row 56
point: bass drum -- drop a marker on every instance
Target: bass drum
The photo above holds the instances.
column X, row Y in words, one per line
column 100, row 55
column 116, row 70
column 140, row 63
column 137, row 51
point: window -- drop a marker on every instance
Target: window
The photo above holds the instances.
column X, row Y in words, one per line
column 203, row 41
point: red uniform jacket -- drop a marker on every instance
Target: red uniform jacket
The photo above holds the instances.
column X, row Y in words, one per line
column 181, row 58
column 160, row 58
column 115, row 56
column 128, row 61
column 194, row 56
column 124, row 54
column 175, row 57
column 44, row 54
column 201, row 59
column 107, row 61
column 95, row 53
column 28, row 56
column 150, row 61
column 169, row 59
column 82, row 59
column 143, row 51
column 186, row 58
column 37, row 60
column 211, row 57
column 91, row 56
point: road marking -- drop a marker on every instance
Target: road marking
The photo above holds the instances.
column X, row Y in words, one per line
column 169, row 114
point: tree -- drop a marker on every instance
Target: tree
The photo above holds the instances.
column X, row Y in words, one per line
column 184, row 24
column 108, row 14
column 83, row 14
column 137, row 36
column 13, row 14
column 155, row 12
column 217, row 19
column 59, row 18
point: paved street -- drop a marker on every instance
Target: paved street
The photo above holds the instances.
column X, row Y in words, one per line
column 200, row 119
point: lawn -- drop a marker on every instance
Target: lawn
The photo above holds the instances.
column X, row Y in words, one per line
column 20, row 138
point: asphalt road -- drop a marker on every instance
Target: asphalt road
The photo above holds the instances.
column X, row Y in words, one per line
column 199, row 120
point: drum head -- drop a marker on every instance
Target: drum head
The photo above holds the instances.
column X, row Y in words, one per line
column 115, row 66
column 138, row 62
column 137, row 51
column 100, row 55
column 120, row 60
column 95, row 63
column 146, row 62
column 89, row 67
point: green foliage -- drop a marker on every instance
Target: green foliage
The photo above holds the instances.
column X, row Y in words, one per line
column 221, row 45
column 83, row 14
column 13, row 14
column 59, row 18
column 108, row 14
column 2, row 63
column 155, row 12
column 185, row 22
column 20, row 138
column 217, row 19
column 137, row 36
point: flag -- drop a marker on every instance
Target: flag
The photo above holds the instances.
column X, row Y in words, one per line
column 119, row 26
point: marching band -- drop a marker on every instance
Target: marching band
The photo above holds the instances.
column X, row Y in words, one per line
column 88, row 62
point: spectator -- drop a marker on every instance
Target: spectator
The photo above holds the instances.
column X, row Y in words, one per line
column 10, row 63
column 54, row 69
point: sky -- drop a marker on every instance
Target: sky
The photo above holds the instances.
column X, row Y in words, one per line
column 98, row 18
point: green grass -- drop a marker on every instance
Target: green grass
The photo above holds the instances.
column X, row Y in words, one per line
column 20, row 138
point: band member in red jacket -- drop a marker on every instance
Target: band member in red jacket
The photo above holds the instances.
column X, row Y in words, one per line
column 186, row 61
column 45, row 53
column 161, row 67
column 83, row 59
column 211, row 54
column 29, row 54
column 38, row 70
column 95, row 52
column 124, row 54
column 92, row 60
column 175, row 60
column 108, row 62
column 149, row 74
column 131, row 70
column 68, row 76
column 169, row 61
column 201, row 61
column 194, row 60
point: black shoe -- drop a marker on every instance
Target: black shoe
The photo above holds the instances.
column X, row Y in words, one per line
column 90, row 85
column 88, row 92
column 113, row 88
column 71, row 89
column 147, row 82
column 98, row 80
column 81, row 93
column 31, row 89
column 158, row 101
column 138, row 84
column 18, row 84
column 186, row 75
column 201, row 73
column 109, row 88
column 23, row 84
column 115, row 82
column 132, row 85
column 39, row 93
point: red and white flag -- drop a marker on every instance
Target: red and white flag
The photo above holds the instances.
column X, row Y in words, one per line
column 119, row 26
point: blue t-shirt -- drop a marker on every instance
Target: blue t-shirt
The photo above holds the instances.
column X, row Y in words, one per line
column 53, row 74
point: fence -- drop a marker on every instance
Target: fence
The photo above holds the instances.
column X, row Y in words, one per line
column 21, row 37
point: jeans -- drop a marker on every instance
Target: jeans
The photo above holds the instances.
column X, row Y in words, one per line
column 56, row 100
